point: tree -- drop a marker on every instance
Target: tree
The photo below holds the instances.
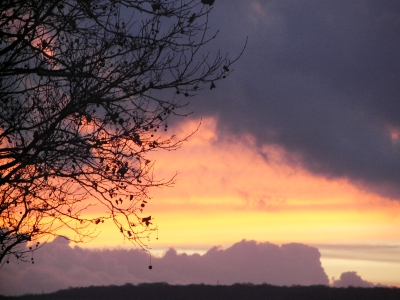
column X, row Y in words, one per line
column 86, row 91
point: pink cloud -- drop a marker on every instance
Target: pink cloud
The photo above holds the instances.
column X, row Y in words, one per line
column 58, row 266
column 351, row 279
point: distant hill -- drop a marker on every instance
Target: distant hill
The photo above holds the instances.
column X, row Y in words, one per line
column 164, row 291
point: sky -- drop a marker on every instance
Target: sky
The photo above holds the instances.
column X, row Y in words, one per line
column 295, row 166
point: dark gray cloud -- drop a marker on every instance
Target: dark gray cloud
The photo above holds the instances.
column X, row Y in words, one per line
column 58, row 266
column 319, row 78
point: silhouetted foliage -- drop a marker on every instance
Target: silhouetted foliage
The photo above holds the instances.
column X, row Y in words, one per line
column 156, row 291
column 86, row 91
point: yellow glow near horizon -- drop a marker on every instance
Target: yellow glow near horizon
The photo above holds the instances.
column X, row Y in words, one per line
column 226, row 191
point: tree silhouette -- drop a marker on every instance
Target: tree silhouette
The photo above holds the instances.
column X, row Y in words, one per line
column 86, row 90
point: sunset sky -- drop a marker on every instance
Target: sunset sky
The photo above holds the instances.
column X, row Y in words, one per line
column 300, row 144
column 228, row 190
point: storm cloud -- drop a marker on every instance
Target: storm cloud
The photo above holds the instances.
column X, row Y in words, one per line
column 321, row 79
column 58, row 266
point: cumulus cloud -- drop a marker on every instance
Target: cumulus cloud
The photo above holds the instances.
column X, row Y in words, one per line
column 318, row 78
column 59, row 266
column 351, row 279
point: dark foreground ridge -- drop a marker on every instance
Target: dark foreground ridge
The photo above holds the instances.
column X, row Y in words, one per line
column 164, row 291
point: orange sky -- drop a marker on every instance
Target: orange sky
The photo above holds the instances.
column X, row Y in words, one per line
column 226, row 192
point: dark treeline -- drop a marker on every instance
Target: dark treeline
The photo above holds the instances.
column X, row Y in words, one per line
column 157, row 291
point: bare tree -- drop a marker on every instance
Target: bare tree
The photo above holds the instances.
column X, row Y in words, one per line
column 86, row 91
